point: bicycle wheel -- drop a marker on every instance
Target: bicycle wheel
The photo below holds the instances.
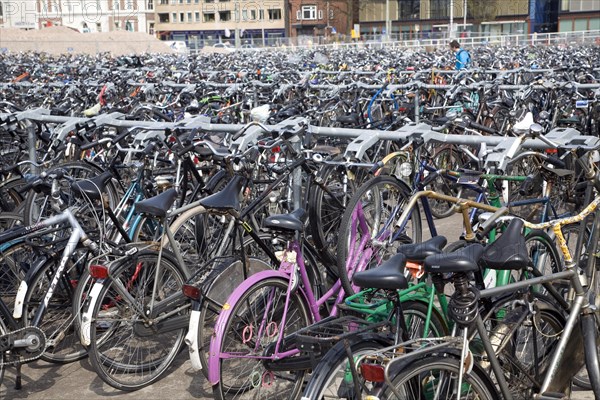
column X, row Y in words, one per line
column 58, row 319
column 368, row 235
column 332, row 378
column 3, row 331
column 127, row 349
column 224, row 279
column 544, row 256
column 326, row 209
column 245, row 346
column 436, row 377
column 449, row 158
column 524, row 343
column 38, row 206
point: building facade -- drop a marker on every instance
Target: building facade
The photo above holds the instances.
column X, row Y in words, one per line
column 206, row 22
column 319, row 18
column 579, row 15
column 83, row 15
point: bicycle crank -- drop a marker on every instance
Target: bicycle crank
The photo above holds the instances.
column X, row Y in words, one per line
column 25, row 345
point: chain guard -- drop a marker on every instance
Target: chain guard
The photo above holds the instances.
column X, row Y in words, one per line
column 25, row 354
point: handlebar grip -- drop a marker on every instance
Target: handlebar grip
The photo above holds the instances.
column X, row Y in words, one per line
column 430, row 178
column 88, row 146
column 120, row 137
column 488, row 225
column 557, row 162
column 482, row 128
column 376, row 166
column 526, row 188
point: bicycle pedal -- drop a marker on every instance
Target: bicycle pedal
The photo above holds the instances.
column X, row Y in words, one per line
column 551, row 396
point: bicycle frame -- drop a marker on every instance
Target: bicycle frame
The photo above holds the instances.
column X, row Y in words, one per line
column 288, row 271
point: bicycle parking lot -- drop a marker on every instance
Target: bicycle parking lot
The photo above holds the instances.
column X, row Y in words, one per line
column 145, row 154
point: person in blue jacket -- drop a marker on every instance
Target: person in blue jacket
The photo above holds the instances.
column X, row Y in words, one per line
column 463, row 58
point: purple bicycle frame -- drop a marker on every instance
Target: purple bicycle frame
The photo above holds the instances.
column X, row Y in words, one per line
column 286, row 272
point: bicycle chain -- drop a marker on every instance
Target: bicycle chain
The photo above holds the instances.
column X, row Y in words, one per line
column 7, row 341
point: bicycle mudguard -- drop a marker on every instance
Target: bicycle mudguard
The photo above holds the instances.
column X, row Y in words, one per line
column 191, row 339
column 24, row 287
column 214, row 373
column 86, row 318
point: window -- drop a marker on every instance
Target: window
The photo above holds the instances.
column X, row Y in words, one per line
column 306, row 12
column 129, row 26
column 173, row 17
column 0, row 9
column 150, row 5
column 439, row 9
column 261, row 15
column 128, row 4
column 209, row 1
column 151, row 28
column 410, row 9
column 117, row 25
column 163, row 18
column 275, row 13
column 197, row 15
column 181, row 17
column 189, row 17
column 225, row 15
column 116, row 6
column 209, row 17
column 164, row 2
column 98, row 27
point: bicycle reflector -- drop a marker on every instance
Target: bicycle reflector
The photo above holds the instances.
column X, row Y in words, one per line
column 191, row 292
column 372, row 372
column 98, row 271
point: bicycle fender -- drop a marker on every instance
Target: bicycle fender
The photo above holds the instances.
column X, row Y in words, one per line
column 191, row 339
column 214, row 374
column 24, row 287
column 86, row 318
column 20, row 299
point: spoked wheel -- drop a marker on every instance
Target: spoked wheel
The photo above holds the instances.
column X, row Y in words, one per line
column 127, row 349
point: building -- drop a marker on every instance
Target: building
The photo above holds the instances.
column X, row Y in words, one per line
column 331, row 19
column 206, row 22
column 579, row 15
column 83, row 15
column 414, row 19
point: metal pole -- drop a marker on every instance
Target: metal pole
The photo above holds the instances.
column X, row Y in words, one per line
column 465, row 15
column 451, row 26
column 387, row 20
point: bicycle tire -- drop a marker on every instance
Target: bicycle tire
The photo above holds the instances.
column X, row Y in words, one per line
column 333, row 364
column 423, row 378
column 524, row 344
column 447, row 158
column 110, row 353
column 325, row 215
column 330, row 379
column 58, row 320
column 37, row 206
column 376, row 197
column 252, row 372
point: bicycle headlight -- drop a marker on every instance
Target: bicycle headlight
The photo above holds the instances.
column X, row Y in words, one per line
column 405, row 169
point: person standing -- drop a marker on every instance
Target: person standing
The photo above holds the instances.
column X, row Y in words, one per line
column 463, row 58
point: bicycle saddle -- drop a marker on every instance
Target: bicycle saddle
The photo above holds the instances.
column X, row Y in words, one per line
column 228, row 198
column 293, row 222
column 463, row 260
column 509, row 250
column 389, row 275
column 92, row 188
column 420, row 251
column 157, row 205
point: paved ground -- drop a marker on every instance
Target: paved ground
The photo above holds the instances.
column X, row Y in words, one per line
column 78, row 381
